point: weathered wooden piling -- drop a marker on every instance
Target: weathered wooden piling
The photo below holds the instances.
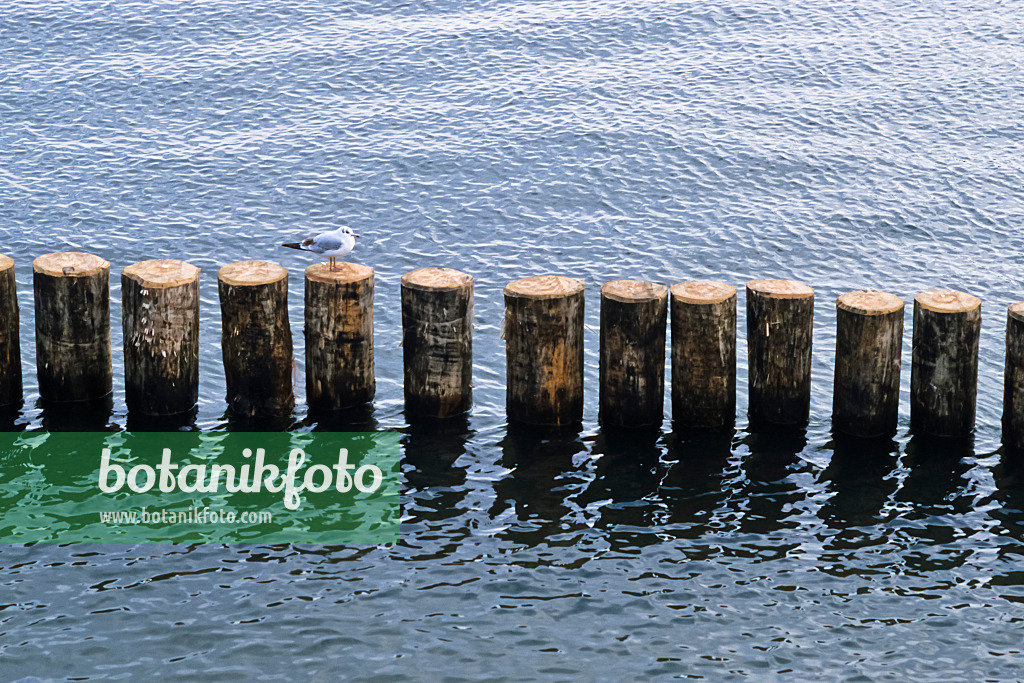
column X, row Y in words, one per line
column 869, row 340
column 10, row 339
column 544, row 350
column 703, row 354
column 339, row 336
column 1013, row 381
column 780, row 318
column 632, row 358
column 160, row 316
column 944, row 368
column 256, row 339
column 72, row 305
column 437, row 341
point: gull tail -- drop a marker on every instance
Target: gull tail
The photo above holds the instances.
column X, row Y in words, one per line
column 294, row 245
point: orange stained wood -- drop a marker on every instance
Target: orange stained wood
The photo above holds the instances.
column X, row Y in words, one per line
column 251, row 273
column 343, row 273
column 702, row 292
column 633, row 291
column 946, row 301
column 69, row 264
column 781, row 289
column 544, row 287
column 161, row 273
column 869, row 302
column 430, row 279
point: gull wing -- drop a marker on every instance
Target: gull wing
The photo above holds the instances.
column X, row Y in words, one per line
column 325, row 242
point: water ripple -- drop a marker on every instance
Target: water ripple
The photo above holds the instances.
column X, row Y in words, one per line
column 847, row 147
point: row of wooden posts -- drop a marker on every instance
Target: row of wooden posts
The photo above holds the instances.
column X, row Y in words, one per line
column 543, row 329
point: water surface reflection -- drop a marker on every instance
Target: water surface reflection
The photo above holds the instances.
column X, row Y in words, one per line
column 83, row 416
column 860, row 479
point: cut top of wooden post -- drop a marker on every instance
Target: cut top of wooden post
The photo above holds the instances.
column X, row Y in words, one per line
column 343, row 273
column 251, row 273
column 544, row 287
column 161, row 273
column 6, row 262
column 945, row 301
column 869, row 302
column 433, row 279
column 633, row 291
column 1016, row 311
column 702, row 292
column 69, row 264
column 781, row 289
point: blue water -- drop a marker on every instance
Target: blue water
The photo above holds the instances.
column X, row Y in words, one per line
column 874, row 145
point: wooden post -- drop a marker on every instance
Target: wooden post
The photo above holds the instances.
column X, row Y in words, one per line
column 703, row 354
column 437, row 341
column 339, row 336
column 944, row 370
column 160, row 315
column 544, row 350
column 632, row 363
column 1013, row 381
column 780, row 316
column 869, row 340
column 10, row 337
column 256, row 339
column 72, row 302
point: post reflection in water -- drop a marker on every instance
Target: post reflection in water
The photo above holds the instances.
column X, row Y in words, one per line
column 695, row 485
column 356, row 419
column 769, row 495
column 1009, row 514
column 625, row 479
column 266, row 423
column 933, row 494
column 83, row 416
column 936, row 481
column 434, row 486
column 182, row 422
column 1009, row 497
column 9, row 416
column 543, row 476
column 859, row 480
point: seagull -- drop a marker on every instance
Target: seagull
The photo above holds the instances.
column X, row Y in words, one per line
column 329, row 245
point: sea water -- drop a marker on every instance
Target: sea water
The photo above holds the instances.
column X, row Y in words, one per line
column 848, row 146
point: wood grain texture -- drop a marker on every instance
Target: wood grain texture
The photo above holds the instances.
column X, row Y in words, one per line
column 944, row 368
column 256, row 339
column 780, row 319
column 703, row 354
column 72, row 307
column 339, row 336
column 1013, row 382
column 437, row 341
column 10, row 338
column 160, row 321
column 869, row 341
column 632, row 355
column 544, row 350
